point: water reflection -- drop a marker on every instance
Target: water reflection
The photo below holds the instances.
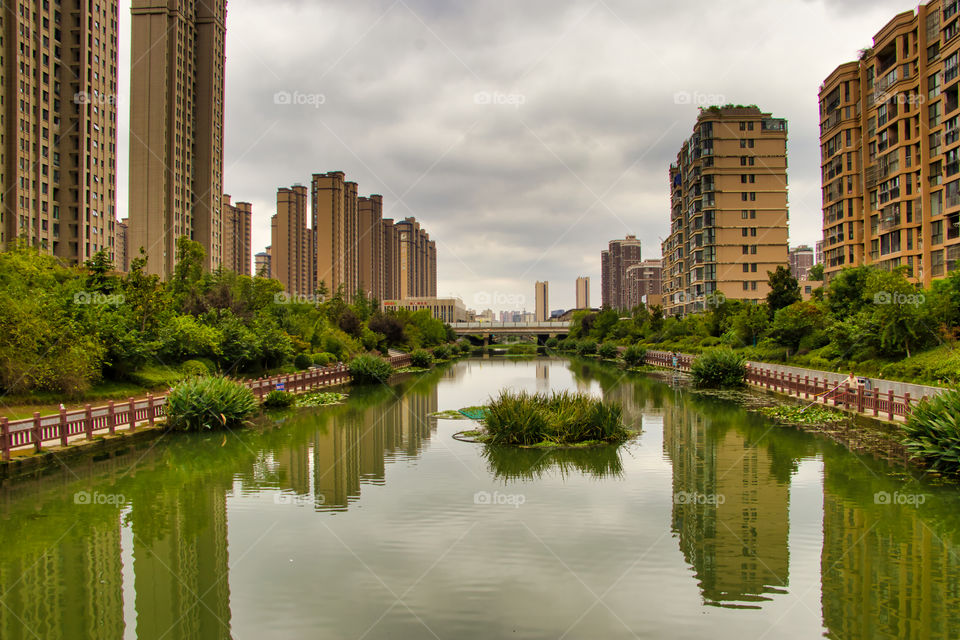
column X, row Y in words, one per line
column 511, row 463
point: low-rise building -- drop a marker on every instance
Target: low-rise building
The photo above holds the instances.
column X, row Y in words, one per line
column 445, row 309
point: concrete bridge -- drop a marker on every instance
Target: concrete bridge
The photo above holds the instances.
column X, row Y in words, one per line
column 541, row 330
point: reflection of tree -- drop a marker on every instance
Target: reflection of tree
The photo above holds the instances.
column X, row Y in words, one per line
column 514, row 463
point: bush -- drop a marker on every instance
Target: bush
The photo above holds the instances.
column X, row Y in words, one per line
column 194, row 368
column 561, row 419
column 932, row 432
column 587, row 347
column 323, row 359
column 442, row 352
column 464, row 345
column 209, row 403
column 608, row 351
column 302, row 361
column 721, row 368
column 421, row 359
column 634, row 355
column 552, row 343
column 369, row 369
column 568, row 344
column 279, row 399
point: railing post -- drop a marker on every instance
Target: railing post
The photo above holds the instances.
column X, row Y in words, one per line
column 62, row 426
column 88, row 421
column 111, row 417
column 859, row 398
column 806, row 387
column 906, row 404
column 5, row 435
column 876, row 402
column 37, row 435
column 890, row 406
column 132, row 414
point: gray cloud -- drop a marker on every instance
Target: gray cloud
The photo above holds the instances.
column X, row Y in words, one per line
column 572, row 149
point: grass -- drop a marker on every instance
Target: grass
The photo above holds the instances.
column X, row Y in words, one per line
column 561, row 419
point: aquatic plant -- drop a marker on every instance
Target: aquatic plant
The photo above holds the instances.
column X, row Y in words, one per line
column 634, row 355
column 208, row 403
column 721, row 368
column 279, row 399
column 421, row 359
column 932, row 432
column 521, row 418
column 369, row 369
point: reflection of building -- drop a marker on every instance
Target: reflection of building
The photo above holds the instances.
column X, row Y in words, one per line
column 729, row 510
column 181, row 574
column 355, row 445
column 885, row 573
column 87, row 561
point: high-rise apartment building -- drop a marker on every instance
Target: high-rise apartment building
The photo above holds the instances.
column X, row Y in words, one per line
column 542, row 302
column 642, row 283
column 583, row 293
column 370, row 246
column 58, row 110
column 261, row 263
column 292, row 249
column 728, row 218
column 236, row 236
column 121, row 243
column 801, row 259
column 417, row 274
column 391, row 260
column 889, row 133
column 334, row 218
column 619, row 256
column 176, row 128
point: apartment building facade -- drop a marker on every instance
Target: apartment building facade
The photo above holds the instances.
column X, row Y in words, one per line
column 58, row 109
column 620, row 255
column 642, row 283
column 176, row 128
column 237, row 221
column 292, row 248
column 728, row 217
column 801, row 259
column 541, row 311
column 890, row 149
column 583, row 292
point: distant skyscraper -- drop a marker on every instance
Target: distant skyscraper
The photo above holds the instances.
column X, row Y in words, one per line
column 801, row 259
column 58, row 97
column 542, row 309
column 176, row 128
column 583, row 293
column 261, row 263
column 417, row 260
column 642, row 282
column 370, row 246
column 236, row 236
column 121, row 259
column 292, row 250
column 621, row 255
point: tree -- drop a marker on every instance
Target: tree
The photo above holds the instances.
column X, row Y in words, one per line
column 100, row 268
column 784, row 290
column 815, row 272
column 845, row 293
column 896, row 310
column 750, row 323
column 188, row 272
column 794, row 323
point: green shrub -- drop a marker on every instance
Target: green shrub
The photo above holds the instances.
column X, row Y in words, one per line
column 721, row 368
column 568, row 344
column 421, row 359
column 442, row 352
column 369, row 369
column 552, row 343
column 324, row 359
column 302, row 361
column 561, row 419
column 209, row 403
column 932, row 432
column 279, row 399
column 634, row 355
column 194, row 368
column 587, row 347
column 608, row 351
column 464, row 345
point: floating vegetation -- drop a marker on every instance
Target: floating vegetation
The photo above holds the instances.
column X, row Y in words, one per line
column 320, row 399
column 561, row 419
column 810, row 415
column 467, row 413
column 412, row 370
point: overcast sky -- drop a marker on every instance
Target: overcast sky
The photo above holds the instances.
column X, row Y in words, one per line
column 523, row 135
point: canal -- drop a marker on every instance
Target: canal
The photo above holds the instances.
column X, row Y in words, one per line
column 368, row 520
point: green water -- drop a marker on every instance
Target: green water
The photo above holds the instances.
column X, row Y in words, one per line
column 369, row 520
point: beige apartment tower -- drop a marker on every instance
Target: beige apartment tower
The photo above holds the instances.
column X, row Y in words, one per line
column 236, row 221
column 334, row 219
column 621, row 254
column 542, row 302
column 890, row 158
column 370, row 246
column 292, row 243
column 728, row 217
column 583, row 293
column 417, row 260
column 176, row 128
column 58, row 107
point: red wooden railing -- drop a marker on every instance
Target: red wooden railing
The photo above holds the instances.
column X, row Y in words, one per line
column 60, row 427
column 814, row 388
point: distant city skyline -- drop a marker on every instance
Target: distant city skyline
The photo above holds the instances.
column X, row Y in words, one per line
column 519, row 172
